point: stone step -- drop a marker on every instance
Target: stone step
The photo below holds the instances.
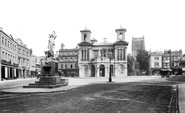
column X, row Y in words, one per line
column 43, row 81
column 33, row 84
column 46, row 79
column 44, row 86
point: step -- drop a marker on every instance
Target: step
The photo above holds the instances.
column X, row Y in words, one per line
column 44, row 86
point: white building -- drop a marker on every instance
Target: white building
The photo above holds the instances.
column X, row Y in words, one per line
column 94, row 57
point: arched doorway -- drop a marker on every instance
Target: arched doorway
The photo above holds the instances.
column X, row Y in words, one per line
column 93, row 71
column 85, row 70
column 102, row 70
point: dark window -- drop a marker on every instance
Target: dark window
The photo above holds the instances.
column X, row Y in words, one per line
column 8, row 44
column 85, row 36
column 61, row 65
column 3, row 40
column 172, row 64
column 66, row 66
column 71, row 66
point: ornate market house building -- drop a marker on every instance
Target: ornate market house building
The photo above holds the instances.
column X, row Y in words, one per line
column 104, row 58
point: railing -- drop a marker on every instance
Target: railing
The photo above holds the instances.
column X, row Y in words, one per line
column 174, row 102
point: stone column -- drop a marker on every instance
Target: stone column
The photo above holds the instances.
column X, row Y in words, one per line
column 15, row 72
column 99, row 53
column 12, row 72
column 98, row 71
column 84, row 54
column 21, row 73
column 115, row 54
column 123, row 55
column 6, row 72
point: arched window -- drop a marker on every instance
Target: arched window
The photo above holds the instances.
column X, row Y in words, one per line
column 85, row 36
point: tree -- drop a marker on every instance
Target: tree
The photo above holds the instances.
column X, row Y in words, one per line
column 130, row 63
column 143, row 59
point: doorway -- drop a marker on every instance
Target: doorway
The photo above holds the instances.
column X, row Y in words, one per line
column 102, row 70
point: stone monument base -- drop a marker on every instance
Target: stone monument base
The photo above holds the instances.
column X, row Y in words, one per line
column 48, row 82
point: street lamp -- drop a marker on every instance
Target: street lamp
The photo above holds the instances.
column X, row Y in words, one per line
column 110, row 55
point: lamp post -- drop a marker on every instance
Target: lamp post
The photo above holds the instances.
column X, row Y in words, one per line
column 110, row 57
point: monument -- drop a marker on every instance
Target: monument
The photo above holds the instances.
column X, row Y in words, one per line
column 49, row 69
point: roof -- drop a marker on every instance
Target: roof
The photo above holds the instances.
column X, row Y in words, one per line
column 120, row 29
column 121, row 42
column 104, row 43
column 85, row 30
column 84, row 44
column 69, row 50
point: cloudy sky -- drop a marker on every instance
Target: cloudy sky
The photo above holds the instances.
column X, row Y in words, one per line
column 161, row 22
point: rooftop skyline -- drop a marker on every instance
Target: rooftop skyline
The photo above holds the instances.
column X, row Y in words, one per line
column 160, row 22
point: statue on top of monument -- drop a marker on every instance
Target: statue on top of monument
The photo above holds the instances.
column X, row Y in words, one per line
column 51, row 45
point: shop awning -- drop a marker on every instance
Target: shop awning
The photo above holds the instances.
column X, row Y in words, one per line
column 166, row 70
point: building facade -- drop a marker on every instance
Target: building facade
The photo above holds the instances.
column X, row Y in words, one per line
column 165, row 62
column 8, row 62
column 104, row 58
column 68, row 61
column 35, row 65
column 175, row 62
column 23, row 59
column 155, row 63
column 182, row 64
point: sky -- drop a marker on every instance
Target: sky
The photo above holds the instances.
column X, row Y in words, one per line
column 161, row 22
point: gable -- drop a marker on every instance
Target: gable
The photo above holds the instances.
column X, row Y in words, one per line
column 84, row 44
column 121, row 43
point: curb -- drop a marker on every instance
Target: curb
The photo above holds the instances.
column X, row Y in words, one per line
column 9, row 91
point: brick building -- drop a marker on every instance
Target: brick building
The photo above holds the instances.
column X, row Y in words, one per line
column 68, row 61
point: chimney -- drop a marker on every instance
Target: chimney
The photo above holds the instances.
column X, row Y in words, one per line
column 62, row 46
